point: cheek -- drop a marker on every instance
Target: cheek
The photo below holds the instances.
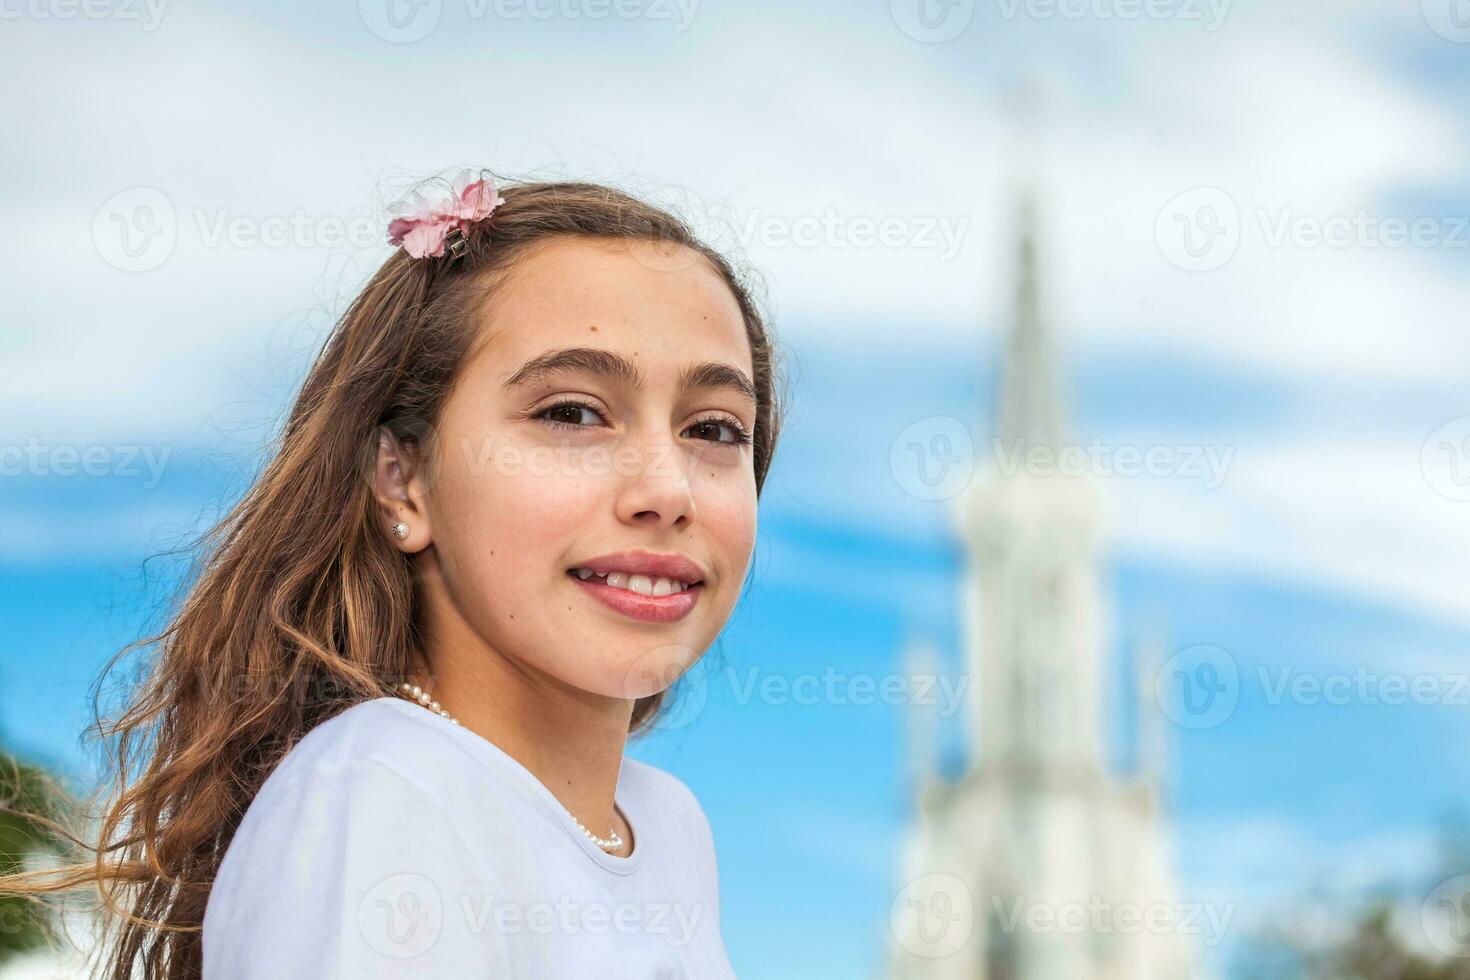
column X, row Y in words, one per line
column 503, row 521
column 727, row 513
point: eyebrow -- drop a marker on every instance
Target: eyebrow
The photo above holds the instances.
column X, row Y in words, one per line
column 607, row 364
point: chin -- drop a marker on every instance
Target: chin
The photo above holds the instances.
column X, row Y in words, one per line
column 649, row 668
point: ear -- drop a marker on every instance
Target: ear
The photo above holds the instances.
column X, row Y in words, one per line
column 398, row 486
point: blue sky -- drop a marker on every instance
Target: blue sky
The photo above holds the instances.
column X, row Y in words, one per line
column 1330, row 547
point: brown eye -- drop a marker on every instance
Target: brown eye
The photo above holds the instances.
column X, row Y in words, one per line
column 568, row 414
column 712, row 426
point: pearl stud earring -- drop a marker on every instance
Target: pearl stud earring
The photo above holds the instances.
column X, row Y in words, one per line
column 400, row 530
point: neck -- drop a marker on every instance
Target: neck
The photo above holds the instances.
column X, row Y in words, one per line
column 569, row 739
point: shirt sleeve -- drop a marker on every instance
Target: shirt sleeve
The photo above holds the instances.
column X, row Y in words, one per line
column 699, row 846
column 353, row 871
column 699, row 838
column 705, row 840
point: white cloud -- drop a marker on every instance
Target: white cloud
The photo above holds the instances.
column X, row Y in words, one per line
column 754, row 120
column 1354, row 514
column 1263, row 859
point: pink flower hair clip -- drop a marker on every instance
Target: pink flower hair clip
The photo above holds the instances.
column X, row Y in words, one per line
column 425, row 231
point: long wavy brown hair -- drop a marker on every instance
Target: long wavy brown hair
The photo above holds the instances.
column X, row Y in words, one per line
column 300, row 607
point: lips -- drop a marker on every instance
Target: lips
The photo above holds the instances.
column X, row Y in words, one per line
column 645, row 608
column 642, row 584
column 648, row 563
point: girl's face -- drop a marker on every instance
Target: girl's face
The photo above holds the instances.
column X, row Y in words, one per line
column 607, row 411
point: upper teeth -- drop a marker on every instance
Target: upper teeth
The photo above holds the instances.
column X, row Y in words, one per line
column 642, row 584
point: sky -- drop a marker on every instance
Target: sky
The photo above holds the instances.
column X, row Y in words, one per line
column 1254, row 253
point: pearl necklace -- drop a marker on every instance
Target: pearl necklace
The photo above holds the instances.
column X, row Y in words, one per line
column 417, row 694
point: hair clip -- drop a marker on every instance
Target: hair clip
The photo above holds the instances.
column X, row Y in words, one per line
column 426, row 231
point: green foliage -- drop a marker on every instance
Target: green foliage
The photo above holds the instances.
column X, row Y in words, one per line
column 1373, row 946
column 24, row 790
column 1374, row 951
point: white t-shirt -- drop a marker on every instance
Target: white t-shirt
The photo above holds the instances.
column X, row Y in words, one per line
column 390, row 842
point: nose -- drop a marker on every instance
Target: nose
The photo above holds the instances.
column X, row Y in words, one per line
column 656, row 488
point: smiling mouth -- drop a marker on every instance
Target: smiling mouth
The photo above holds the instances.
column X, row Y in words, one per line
column 649, row 599
column 651, row 586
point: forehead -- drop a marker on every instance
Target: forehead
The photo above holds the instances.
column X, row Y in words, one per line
column 662, row 307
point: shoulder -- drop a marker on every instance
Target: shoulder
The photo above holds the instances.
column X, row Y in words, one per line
column 660, row 786
column 383, row 733
column 665, row 798
column 667, row 810
column 344, row 824
column 353, row 780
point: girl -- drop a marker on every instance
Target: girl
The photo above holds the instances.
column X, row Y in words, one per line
column 514, row 500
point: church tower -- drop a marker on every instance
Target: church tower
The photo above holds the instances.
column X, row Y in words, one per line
column 1032, row 536
column 1037, row 829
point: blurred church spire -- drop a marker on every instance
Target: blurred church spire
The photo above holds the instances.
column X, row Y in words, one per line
column 1030, row 409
